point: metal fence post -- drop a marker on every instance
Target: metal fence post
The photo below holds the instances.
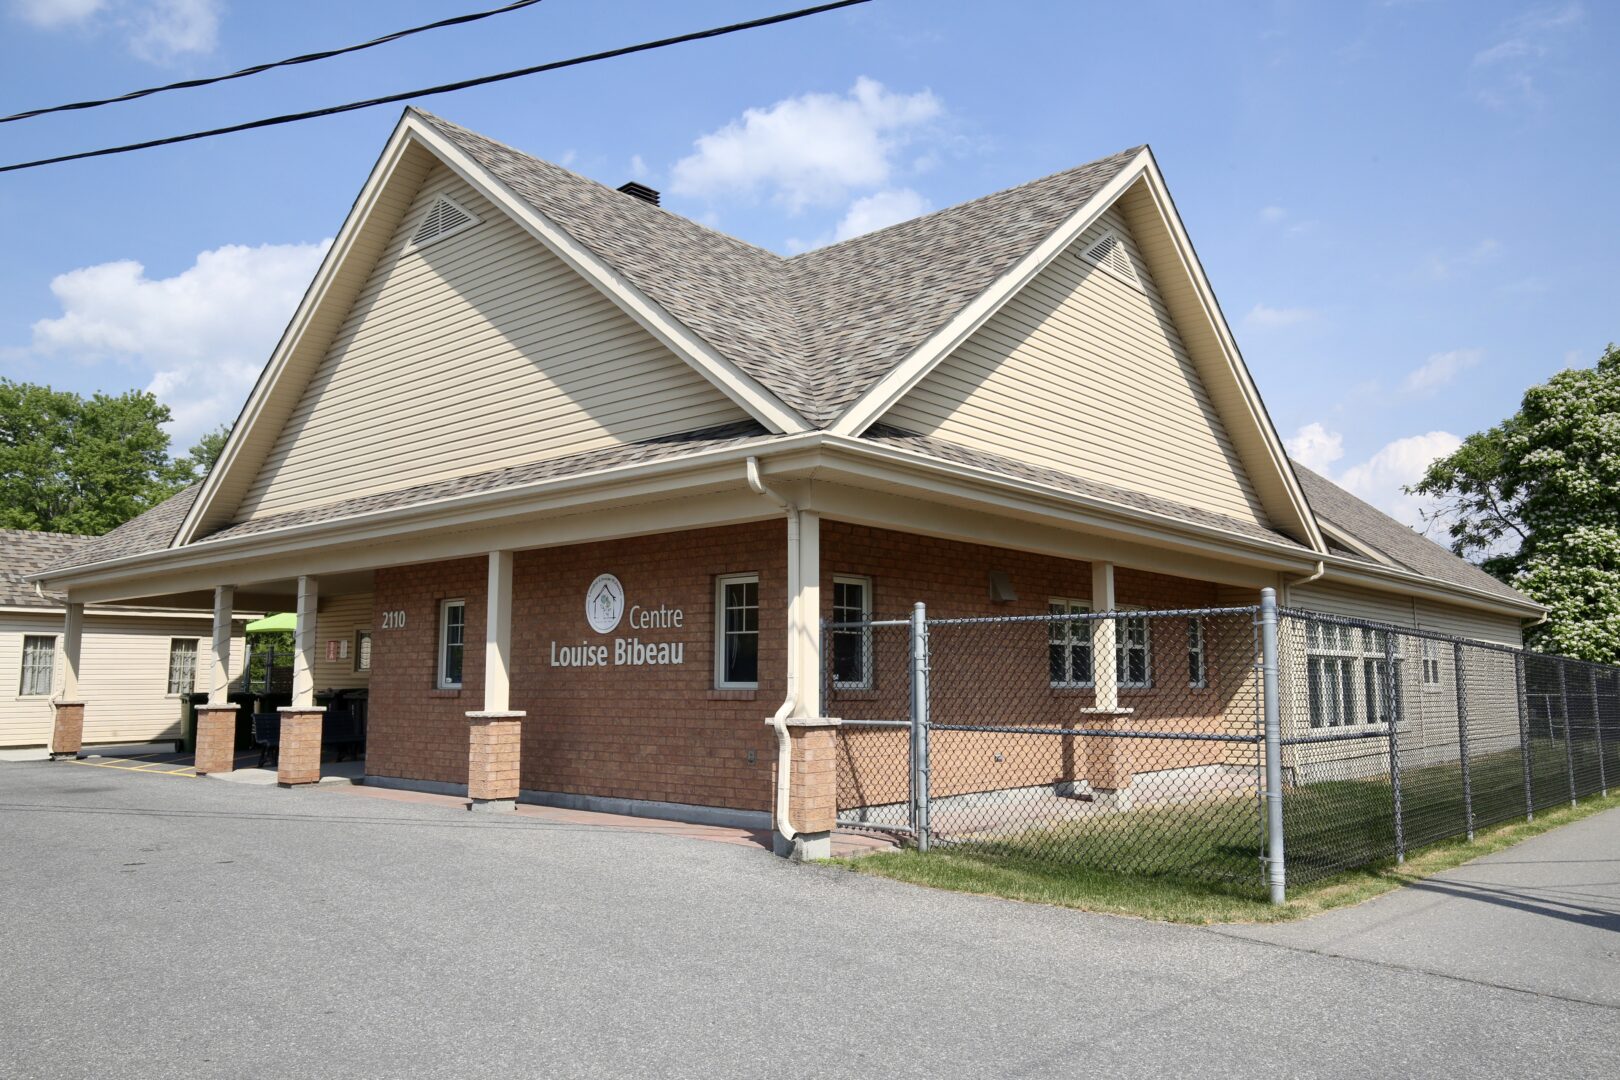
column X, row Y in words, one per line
column 1462, row 739
column 1396, row 708
column 1276, row 866
column 1569, row 733
column 919, row 724
column 1597, row 731
column 1524, row 735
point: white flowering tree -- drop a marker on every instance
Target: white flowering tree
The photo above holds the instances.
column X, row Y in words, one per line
column 1537, row 500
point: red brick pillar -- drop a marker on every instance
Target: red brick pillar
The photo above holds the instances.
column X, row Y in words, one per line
column 812, row 788
column 67, row 731
column 216, row 739
column 1108, row 769
column 494, row 755
column 299, row 758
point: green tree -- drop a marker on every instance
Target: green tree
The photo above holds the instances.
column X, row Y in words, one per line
column 75, row 464
column 1537, row 499
column 195, row 465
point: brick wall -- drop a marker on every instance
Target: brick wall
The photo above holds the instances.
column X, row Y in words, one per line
column 662, row 732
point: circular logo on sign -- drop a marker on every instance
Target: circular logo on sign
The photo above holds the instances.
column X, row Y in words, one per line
column 604, row 603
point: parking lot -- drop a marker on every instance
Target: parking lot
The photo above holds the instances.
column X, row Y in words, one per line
column 158, row 925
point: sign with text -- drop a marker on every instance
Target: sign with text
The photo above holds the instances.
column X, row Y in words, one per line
column 604, row 610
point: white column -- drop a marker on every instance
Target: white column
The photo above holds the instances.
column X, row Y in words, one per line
column 804, row 615
column 498, row 634
column 303, row 695
column 72, row 638
column 1103, row 670
column 219, row 685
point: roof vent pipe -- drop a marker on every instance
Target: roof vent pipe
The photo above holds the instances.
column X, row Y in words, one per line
column 640, row 191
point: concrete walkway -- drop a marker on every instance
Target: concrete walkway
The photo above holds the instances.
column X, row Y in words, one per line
column 159, row 926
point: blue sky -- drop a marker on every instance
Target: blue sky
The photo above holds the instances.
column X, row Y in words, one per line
column 1406, row 206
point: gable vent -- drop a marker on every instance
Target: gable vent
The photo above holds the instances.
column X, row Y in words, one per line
column 1109, row 253
column 443, row 219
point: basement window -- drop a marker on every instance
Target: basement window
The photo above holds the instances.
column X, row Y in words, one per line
column 445, row 218
column 1110, row 254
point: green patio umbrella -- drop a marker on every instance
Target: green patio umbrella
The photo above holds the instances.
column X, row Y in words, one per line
column 286, row 622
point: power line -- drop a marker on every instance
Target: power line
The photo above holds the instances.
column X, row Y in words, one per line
column 257, row 68
column 272, row 121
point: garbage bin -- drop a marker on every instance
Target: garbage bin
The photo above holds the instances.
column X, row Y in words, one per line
column 188, row 721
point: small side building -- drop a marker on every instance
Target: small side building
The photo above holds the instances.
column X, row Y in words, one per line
column 137, row 661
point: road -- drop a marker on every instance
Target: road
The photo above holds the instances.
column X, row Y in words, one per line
column 166, row 926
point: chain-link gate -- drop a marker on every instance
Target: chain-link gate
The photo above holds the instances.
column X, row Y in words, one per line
column 1013, row 737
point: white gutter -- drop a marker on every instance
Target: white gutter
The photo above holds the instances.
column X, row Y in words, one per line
column 790, row 704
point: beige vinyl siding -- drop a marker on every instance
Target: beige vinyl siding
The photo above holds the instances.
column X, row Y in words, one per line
column 336, row 621
column 480, row 351
column 123, row 676
column 1468, row 623
column 1085, row 373
column 1353, row 603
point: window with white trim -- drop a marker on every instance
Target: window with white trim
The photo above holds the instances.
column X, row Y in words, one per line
column 452, row 642
column 182, row 665
column 852, row 645
column 1133, row 651
column 1197, row 664
column 1431, row 665
column 38, row 665
column 736, row 628
column 1348, row 675
column 1068, row 643
column 362, row 650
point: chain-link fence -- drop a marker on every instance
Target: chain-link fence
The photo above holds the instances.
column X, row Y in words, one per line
column 1135, row 742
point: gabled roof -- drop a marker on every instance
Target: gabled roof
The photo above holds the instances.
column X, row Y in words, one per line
column 817, row 329
column 1371, row 528
column 23, row 553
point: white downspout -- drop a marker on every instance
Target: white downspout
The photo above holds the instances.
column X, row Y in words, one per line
column 784, row 741
column 1288, row 586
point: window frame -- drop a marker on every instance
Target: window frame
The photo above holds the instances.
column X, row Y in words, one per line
column 445, row 606
column 1070, row 641
column 362, row 647
column 1359, row 663
column 196, row 650
column 721, row 633
column 864, row 582
column 1431, row 655
column 1121, row 663
column 1197, row 645
column 23, row 668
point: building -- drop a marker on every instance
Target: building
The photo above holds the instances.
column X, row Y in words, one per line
column 139, row 661
column 582, row 477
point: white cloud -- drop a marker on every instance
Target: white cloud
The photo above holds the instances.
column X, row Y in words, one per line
column 638, row 167
column 1315, row 447
column 53, row 14
column 202, row 335
column 165, row 29
column 1268, row 317
column 1273, row 215
column 1440, row 369
column 877, row 211
column 1443, row 267
column 1380, row 479
column 156, row 31
column 811, row 149
column 1506, row 73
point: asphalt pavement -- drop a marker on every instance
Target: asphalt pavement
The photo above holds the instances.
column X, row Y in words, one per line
column 171, row 926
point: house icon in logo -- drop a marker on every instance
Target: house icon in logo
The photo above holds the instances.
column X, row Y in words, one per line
column 604, row 603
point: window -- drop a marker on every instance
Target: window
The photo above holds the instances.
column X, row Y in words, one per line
column 852, row 646
column 1348, row 675
column 38, row 665
column 1431, row 665
column 736, row 647
column 1068, row 645
column 362, row 650
column 182, row 665
column 1133, row 661
column 452, row 642
column 1197, row 671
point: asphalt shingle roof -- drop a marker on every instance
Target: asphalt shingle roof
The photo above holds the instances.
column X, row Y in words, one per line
column 1401, row 545
column 23, row 553
column 151, row 531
